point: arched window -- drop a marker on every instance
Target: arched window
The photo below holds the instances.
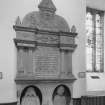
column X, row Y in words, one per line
column 94, row 40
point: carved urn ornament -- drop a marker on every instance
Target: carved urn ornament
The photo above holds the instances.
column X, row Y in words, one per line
column 44, row 56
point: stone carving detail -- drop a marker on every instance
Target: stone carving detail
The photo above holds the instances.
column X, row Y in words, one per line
column 47, row 5
column 61, row 95
column 18, row 21
column 73, row 29
column 30, row 98
column 31, row 95
column 60, row 99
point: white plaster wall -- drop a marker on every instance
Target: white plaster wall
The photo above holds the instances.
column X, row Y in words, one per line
column 98, row 4
column 72, row 10
column 95, row 84
column 9, row 10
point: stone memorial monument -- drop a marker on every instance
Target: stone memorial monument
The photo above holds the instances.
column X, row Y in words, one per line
column 44, row 46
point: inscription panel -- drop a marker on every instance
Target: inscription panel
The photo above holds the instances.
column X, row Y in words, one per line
column 46, row 61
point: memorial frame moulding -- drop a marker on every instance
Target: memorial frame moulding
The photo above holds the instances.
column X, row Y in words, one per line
column 33, row 34
column 33, row 44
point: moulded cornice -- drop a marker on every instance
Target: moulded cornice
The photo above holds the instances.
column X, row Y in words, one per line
column 31, row 80
column 40, row 31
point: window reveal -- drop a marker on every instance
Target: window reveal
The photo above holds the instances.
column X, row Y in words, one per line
column 94, row 40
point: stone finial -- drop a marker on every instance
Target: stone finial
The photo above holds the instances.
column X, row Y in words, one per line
column 47, row 5
column 18, row 21
column 73, row 29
